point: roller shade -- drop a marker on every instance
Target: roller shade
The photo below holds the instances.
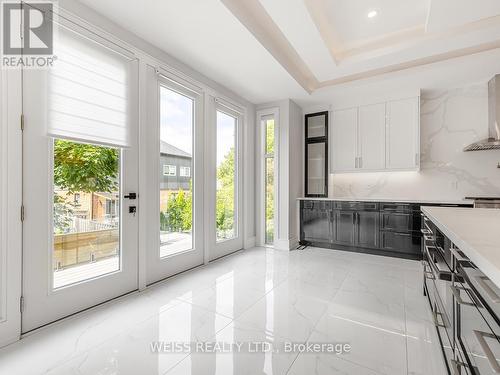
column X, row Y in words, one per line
column 89, row 92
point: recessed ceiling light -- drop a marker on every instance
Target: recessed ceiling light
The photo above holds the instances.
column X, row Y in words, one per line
column 372, row 13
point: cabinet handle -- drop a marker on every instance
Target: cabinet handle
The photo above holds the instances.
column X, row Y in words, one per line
column 456, row 366
column 360, row 162
column 488, row 290
column 480, row 335
column 356, row 162
column 416, row 160
column 457, row 255
column 456, row 293
column 436, row 321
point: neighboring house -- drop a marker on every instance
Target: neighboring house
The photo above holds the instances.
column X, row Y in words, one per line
column 100, row 207
column 175, row 171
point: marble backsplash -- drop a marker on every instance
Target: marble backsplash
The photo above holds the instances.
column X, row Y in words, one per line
column 449, row 121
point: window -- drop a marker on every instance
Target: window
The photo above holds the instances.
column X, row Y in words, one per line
column 226, row 185
column 86, row 237
column 269, row 180
column 176, row 195
column 169, row 170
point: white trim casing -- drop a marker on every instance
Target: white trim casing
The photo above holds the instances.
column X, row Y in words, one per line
column 11, row 200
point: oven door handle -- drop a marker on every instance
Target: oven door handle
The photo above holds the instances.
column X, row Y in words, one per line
column 480, row 337
column 437, row 272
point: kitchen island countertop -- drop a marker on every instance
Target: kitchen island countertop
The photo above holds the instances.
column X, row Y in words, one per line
column 475, row 231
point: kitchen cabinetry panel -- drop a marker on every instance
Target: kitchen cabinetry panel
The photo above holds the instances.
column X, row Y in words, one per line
column 345, row 227
column 344, row 140
column 400, row 242
column 316, row 222
column 403, row 134
column 386, row 228
column 371, row 139
column 367, row 229
column 376, row 137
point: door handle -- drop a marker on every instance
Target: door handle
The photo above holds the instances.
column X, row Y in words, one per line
column 130, row 196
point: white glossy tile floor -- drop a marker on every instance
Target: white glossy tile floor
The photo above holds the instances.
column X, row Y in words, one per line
column 254, row 297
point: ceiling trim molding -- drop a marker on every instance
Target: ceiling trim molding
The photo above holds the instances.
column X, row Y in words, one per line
column 412, row 63
column 341, row 51
column 316, row 9
column 255, row 18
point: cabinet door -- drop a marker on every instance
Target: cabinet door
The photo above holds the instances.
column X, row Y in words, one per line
column 367, row 229
column 371, row 137
column 400, row 242
column 344, row 140
column 316, row 172
column 316, row 225
column 344, row 227
column 403, row 134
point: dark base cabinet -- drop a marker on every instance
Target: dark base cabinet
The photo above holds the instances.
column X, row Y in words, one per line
column 383, row 228
column 404, row 243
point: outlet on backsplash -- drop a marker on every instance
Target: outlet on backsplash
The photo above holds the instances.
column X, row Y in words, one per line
column 454, row 185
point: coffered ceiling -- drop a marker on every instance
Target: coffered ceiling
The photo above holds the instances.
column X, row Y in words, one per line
column 342, row 40
column 316, row 50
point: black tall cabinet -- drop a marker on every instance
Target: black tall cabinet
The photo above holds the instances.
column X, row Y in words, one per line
column 316, row 155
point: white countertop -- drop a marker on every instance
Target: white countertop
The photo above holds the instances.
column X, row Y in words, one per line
column 475, row 231
column 423, row 201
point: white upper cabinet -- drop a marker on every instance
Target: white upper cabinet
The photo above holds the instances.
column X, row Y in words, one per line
column 376, row 137
column 344, row 140
column 371, row 137
column 403, row 134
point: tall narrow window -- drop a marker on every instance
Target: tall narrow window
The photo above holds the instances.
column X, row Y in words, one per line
column 176, row 162
column 226, row 203
column 269, row 180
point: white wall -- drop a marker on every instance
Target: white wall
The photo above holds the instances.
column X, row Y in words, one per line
column 450, row 120
column 296, row 179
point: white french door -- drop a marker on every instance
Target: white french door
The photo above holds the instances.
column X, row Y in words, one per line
column 174, row 176
column 226, row 229
column 80, row 174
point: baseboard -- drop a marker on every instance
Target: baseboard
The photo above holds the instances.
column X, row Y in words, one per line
column 287, row 245
column 249, row 242
column 5, row 341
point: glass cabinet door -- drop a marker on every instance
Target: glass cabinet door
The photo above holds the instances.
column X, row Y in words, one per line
column 316, row 164
column 316, row 154
column 316, row 125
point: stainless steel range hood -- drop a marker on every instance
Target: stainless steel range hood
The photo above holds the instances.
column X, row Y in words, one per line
column 493, row 140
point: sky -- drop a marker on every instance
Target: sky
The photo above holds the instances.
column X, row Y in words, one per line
column 176, row 119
